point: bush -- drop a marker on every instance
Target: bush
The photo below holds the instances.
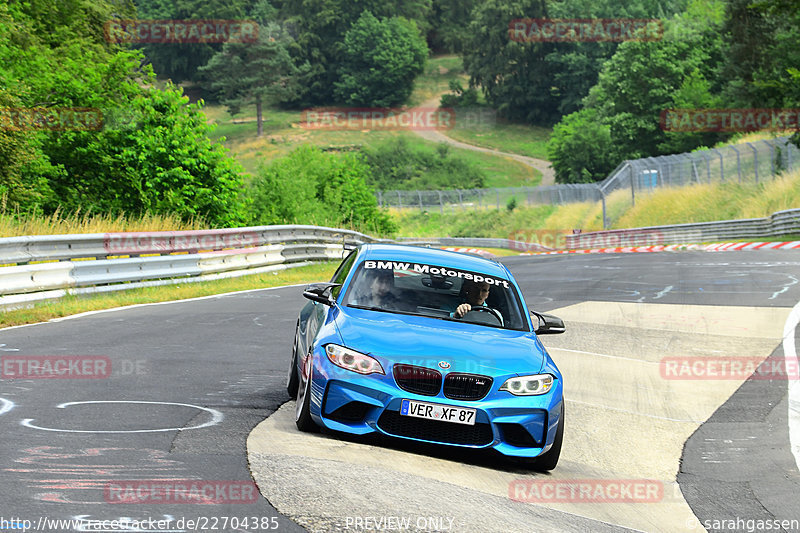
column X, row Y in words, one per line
column 310, row 186
column 458, row 96
column 396, row 165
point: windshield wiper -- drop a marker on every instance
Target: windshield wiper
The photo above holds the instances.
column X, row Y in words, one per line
column 367, row 307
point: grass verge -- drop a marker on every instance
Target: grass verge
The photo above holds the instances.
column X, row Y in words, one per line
column 507, row 137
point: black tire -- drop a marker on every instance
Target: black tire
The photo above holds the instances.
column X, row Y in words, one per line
column 292, row 381
column 303, row 418
column 549, row 460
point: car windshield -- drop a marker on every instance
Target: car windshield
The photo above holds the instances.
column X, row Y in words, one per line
column 437, row 292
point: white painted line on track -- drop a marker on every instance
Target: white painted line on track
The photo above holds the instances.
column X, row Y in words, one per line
column 198, row 298
column 793, row 362
column 636, row 413
column 5, row 406
column 216, row 418
column 605, row 355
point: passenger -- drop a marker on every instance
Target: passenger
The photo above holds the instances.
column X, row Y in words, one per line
column 377, row 286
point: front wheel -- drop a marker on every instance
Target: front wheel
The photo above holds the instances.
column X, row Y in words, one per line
column 292, row 381
column 549, row 460
column 302, row 416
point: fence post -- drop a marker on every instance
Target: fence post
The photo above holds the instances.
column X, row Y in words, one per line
column 738, row 163
column 755, row 159
column 419, row 194
column 771, row 156
column 721, row 165
column 498, row 199
column 399, row 200
column 603, row 200
column 441, row 204
column 633, row 198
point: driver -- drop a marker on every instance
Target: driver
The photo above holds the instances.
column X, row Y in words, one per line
column 475, row 295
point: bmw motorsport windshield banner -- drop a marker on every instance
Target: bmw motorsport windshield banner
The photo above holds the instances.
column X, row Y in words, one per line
column 434, row 270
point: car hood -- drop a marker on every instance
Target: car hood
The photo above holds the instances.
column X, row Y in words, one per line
column 427, row 342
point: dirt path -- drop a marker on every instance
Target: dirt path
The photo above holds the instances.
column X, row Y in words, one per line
column 548, row 175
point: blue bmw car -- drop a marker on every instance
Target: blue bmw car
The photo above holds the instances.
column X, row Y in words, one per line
column 432, row 346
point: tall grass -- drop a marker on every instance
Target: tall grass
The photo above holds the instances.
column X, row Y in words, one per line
column 696, row 203
column 14, row 223
column 711, row 202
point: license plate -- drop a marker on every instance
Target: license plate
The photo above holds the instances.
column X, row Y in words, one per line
column 432, row 411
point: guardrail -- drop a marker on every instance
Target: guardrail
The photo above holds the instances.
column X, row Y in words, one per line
column 52, row 266
column 778, row 224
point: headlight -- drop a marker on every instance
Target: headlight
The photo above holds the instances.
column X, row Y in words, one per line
column 529, row 385
column 352, row 360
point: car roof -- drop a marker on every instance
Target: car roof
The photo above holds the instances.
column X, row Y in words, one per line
column 435, row 256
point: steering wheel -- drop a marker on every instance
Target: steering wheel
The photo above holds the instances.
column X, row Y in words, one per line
column 494, row 312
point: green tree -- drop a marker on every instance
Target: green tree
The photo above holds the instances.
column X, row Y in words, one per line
column 161, row 161
column 180, row 61
column 581, row 149
column 514, row 76
column 319, row 28
column 643, row 79
column 451, row 20
column 380, row 61
column 539, row 82
column 255, row 73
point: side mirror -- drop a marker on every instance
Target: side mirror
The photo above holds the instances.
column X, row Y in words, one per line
column 544, row 324
column 320, row 292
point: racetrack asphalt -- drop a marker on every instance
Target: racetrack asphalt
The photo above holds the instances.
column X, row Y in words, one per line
column 228, row 355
